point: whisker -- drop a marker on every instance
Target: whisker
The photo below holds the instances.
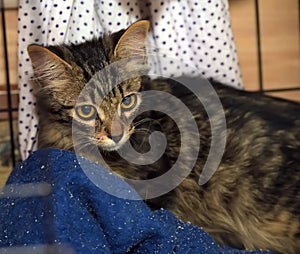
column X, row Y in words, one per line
column 142, row 130
column 148, row 119
column 84, row 143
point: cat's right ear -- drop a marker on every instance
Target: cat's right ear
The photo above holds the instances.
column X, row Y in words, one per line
column 133, row 41
column 46, row 64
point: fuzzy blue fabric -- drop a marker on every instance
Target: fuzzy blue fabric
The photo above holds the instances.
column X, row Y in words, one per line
column 49, row 205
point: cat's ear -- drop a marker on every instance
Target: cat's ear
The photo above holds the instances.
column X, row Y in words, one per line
column 45, row 63
column 133, row 41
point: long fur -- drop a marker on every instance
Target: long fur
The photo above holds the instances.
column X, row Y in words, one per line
column 253, row 199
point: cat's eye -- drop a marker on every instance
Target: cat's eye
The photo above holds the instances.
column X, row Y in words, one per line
column 86, row 112
column 129, row 102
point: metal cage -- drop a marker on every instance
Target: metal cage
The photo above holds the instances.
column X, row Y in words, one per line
column 10, row 112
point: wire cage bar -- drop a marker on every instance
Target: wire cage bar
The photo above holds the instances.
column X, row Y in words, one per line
column 10, row 110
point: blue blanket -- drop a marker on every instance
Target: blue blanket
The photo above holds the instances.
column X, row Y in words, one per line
column 49, row 205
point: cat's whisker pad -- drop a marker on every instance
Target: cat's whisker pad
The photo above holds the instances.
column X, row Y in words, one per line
column 95, row 98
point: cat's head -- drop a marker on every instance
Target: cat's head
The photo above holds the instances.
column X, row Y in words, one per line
column 72, row 88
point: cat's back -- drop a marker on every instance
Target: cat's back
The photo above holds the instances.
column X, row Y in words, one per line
column 255, row 192
column 262, row 157
column 280, row 112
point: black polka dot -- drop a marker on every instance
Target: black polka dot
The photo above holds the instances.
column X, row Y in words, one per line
column 193, row 35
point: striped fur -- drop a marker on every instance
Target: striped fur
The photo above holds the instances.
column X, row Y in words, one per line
column 253, row 199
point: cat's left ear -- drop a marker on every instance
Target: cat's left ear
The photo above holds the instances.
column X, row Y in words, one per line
column 133, row 41
column 45, row 62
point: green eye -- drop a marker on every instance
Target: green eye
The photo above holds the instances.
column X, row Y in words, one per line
column 86, row 112
column 129, row 102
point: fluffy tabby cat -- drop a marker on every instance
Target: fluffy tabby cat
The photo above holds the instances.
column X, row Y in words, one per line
column 253, row 199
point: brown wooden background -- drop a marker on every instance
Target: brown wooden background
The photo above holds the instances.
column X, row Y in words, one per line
column 279, row 30
column 279, row 24
column 279, row 39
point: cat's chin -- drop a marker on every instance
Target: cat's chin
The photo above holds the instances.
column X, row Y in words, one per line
column 112, row 146
column 110, row 149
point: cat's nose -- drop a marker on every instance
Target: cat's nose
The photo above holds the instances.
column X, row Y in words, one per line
column 116, row 130
column 117, row 138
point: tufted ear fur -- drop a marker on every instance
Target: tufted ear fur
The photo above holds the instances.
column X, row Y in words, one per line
column 48, row 67
column 45, row 61
column 55, row 79
column 133, row 41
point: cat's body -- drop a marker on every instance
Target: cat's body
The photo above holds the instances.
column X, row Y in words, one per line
column 252, row 200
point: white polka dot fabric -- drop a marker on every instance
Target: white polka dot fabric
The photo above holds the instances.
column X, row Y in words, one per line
column 188, row 37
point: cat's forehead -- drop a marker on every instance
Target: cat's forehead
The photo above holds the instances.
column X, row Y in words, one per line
column 132, row 85
column 106, row 93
